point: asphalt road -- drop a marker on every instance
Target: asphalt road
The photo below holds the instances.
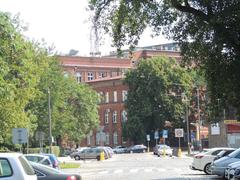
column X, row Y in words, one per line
column 139, row 166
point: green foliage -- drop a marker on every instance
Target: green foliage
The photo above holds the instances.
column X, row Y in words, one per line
column 27, row 72
column 208, row 32
column 155, row 89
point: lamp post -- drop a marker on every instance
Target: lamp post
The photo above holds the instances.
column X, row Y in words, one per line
column 199, row 122
column 50, row 121
column 184, row 99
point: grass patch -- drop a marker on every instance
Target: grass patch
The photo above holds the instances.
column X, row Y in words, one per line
column 66, row 165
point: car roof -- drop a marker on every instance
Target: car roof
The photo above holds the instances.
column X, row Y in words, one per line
column 10, row 154
column 38, row 155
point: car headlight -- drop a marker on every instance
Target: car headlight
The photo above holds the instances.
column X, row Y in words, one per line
column 237, row 172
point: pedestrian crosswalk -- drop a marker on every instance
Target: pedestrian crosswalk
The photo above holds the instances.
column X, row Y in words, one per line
column 134, row 170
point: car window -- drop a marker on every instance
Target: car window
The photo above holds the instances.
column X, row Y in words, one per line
column 5, row 168
column 26, row 166
column 234, row 153
column 46, row 162
column 216, row 152
column 34, row 158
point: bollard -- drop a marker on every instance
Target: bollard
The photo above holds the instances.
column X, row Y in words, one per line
column 102, row 156
column 179, row 152
column 164, row 152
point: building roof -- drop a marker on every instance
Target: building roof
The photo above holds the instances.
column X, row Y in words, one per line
column 97, row 62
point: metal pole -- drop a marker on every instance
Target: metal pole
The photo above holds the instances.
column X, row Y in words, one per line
column 199, row 121
column 188, row 137
column 50, row 121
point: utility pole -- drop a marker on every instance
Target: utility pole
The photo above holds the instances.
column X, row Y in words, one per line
column 199, row 121
column 50, row 120
column 188, row 136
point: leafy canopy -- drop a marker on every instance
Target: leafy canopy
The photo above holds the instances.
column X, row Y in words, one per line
column 207, row 30
column 155, row 96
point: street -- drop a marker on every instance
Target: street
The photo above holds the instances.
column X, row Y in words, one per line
column 139, row 166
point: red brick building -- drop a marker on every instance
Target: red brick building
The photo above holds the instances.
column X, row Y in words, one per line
column 105, row 75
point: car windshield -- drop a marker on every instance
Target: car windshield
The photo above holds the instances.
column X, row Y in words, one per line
column 234, row 153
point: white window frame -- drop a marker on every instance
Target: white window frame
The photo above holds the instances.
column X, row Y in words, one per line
column 106, row 116
column 114, row 96
column 124, row 116
column 124, row 95
column 107, row 97
column 114, row 116
column 115, row 138
column 107, row 139
column 90, row 76
column 97, row 139
column 78, row 77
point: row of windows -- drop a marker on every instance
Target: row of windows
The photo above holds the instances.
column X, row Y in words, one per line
column 105, row 139
column 114, row 116
column 105, row 96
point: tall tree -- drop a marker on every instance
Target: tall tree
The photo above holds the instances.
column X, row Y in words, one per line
column 155, row 96
column 207, row 30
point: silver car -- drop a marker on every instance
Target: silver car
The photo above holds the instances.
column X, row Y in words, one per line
column 219, row 166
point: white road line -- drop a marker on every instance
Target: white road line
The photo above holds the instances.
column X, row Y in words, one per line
column 118, row 171
column 148, row 170
column 161, row 169
column 103, row 172
column 133, row 170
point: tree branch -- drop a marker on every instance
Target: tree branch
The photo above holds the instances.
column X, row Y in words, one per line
column 188, row 9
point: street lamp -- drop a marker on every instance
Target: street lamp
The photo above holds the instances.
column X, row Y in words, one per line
column 184, row 99
column 50, row 121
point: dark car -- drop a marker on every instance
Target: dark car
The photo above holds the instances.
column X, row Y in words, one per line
column 47, row 173
column 137, row 149
column 54, row 160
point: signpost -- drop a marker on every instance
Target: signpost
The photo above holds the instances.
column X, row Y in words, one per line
column 156, row 136
column 148, row 139
column 20, row 136
column 164, row 135
column 179, row 134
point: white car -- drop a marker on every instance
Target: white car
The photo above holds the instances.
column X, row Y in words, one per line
column 203, row 160
column 38, row 158
column 14, row 166
column 164, row 150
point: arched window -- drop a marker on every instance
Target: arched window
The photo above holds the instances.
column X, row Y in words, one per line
column 115, row 117
column 107, row 138
column 106, row 116
column 115, row 138
column 79, row 77
column 124, row 116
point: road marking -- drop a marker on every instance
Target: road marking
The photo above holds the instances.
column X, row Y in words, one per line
column 148, row 170
column 133, row 170
column 103, row 172
column 118, row 171
column 161, row 169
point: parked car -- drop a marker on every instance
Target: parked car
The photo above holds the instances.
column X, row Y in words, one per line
column 223, row 153
column 155, row 149
column 137, row 149
column 230, row 170
column 203, row 160
column 47, row 173
column 38, row 158
column 219, row 166
column 165, row 149
column 119, row 149
column 89, row 153
column 14, row 166
column 54, row 160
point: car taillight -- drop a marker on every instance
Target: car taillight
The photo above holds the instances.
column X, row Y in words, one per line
column 198, row 156
column 71, row 178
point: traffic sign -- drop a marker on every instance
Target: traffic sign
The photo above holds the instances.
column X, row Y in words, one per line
column 148, row 137
column 165, row 134
column 19, row 135
column 156, row 135
column 178, row 132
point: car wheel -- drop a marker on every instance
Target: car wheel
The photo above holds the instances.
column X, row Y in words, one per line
column 98, row 158
column 207, row 169
column 77, row 157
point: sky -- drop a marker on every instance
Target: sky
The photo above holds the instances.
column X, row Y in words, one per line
column 64, row 24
